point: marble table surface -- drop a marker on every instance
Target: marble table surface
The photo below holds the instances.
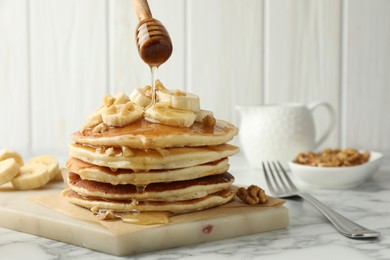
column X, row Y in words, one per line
column 308, row 236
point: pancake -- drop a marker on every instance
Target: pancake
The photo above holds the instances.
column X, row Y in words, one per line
column 209, row 201
column 169, row 191
column 143, row 134
column 140, row 159
column 89, row 171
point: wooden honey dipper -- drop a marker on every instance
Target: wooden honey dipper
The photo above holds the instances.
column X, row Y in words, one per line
column 153, row 41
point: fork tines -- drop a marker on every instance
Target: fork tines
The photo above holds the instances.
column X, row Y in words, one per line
column 277, row 179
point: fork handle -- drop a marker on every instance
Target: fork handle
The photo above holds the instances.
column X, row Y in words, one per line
column 345, row 226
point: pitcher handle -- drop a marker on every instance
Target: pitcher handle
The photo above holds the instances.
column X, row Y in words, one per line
column 313, row 106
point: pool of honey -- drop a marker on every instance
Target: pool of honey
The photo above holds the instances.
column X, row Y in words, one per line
column 148, row 129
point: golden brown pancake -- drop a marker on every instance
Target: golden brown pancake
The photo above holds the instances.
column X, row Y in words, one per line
column 89, row 171
column 143, row 134
column 169, row 191
column 209, row 201
column 141, row 159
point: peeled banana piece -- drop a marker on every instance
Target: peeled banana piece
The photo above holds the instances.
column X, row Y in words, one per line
column 8, row 170
column 164, row 114
column 139, row 97
column 31, row 176
column 180, row 100
column 50, row 162
column 7, row 153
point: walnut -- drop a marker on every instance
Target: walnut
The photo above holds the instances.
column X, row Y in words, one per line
column 209, row 121
column 252, row 195
column 110, row 151
column 106, row 215
column 100, row 128
column 108, row 100
column 127, row 152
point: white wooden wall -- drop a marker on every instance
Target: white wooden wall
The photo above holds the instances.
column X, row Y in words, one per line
column 59, row 57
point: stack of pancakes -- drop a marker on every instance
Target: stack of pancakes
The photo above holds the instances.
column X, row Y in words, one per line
column 147, row 166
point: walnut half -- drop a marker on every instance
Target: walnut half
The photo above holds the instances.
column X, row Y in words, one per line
column 252, row 195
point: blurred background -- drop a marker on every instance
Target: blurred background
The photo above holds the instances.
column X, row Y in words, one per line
column 58, row 58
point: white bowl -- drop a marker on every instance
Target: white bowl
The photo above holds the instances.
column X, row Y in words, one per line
column 337, row 177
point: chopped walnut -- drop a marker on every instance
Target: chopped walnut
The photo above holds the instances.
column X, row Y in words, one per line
column 106, row 215
column 100, row 149
column 128, row 107
column 100, row 128
column 333, row 158
column 159, row 85
column 121, row 98
column 110, row 151
column 252, row 195
column 108, row 100
column 209, row 121
column 148, row 91
column 94, row 210
column 127, row 152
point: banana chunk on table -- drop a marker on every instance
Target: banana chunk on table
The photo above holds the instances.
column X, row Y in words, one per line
column 8, row 170
column 31, row 176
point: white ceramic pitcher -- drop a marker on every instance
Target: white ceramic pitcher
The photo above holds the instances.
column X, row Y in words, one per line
column 280, row 132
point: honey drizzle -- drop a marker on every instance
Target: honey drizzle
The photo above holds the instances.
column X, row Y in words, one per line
column 145, row 218
column 153, row 71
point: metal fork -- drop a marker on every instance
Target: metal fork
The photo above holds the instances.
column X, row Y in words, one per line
column 281, row 186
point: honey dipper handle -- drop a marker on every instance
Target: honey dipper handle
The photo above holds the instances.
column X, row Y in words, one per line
column 142, row 9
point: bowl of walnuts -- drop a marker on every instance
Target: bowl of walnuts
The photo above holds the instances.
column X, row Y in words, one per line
column 335, row 168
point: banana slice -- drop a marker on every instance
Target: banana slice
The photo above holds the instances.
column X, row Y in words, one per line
column 94, row 119
column 31, row 176
column 180, row 100
column 205, row 117
column 164, row 114
column 8, row 170
column 139, row 96
column 122, row 114
column 50, row 162
column 121, row 99
column 6, row 153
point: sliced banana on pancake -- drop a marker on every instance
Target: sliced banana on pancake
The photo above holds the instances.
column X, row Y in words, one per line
column 8, row 170
column 178, row 157
column 139, row 97
column 31, row 176
column 180, row 100
column 209, row 201
column 143, row 96
column 164, row 114
column 119, row 115
column 169, row 191
column 89, row 171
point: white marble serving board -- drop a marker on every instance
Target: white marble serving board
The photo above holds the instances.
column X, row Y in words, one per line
column 19, row 212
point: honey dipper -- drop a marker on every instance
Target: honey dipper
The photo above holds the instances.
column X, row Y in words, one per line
column 153, row 41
